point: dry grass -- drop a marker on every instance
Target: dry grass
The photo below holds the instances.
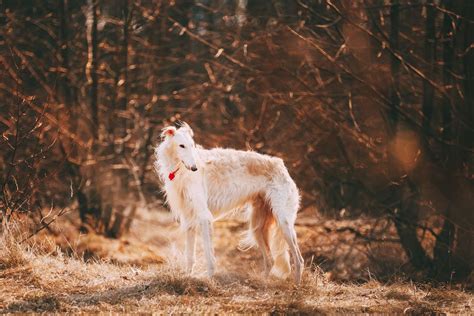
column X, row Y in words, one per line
column 12, row 254
column 41, row 278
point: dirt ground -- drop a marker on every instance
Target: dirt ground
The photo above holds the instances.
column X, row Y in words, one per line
column 142, row 272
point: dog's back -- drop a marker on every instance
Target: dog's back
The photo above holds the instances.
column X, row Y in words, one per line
column 235, row 177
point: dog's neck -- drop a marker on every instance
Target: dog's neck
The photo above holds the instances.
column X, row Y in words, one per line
column 167, row 160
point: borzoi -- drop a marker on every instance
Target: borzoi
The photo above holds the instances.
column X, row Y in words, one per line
column 202, row 184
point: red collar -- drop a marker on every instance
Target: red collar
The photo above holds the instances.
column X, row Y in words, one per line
column 172, row 174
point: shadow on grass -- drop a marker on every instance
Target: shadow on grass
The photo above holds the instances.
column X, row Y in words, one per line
column 45, row 303
column 173, row 285
column 285, row 298
column 223, row 286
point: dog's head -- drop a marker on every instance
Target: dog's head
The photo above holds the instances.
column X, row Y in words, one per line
column 181, row 140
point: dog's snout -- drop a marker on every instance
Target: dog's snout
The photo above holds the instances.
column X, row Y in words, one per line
column 194, row 168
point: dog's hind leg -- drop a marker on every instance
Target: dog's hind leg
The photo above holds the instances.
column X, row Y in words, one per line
column 290, row 237
column 260, row 223
column 285, row 203
column 190, row 249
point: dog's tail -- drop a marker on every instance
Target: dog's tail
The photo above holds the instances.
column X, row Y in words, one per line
column 260, row 222
column 265, row 233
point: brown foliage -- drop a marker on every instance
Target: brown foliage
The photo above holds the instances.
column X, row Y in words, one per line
column 368, row 102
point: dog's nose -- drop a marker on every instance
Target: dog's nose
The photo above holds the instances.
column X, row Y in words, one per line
column 194, row 168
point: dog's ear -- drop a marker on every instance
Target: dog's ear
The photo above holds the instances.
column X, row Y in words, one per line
column 168, row 131
column 186, row 126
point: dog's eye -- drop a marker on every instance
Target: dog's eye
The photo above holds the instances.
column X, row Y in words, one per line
column 182, row 146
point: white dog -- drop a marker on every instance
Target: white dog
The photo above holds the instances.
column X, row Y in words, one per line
column 203, row 184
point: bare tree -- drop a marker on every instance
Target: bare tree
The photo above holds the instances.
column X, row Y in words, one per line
column 92, row 63
column 429, row 51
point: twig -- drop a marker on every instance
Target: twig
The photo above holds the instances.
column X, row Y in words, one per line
column 385, row 101
column 351, row 112
column 45, row 224
column 360, row 235
column 220, row 51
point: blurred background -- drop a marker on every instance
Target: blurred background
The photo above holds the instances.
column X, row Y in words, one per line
column 369, row 102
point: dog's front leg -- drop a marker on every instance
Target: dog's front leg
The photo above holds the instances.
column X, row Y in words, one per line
column 206, row 231
column 190, row 249
column 198, row 198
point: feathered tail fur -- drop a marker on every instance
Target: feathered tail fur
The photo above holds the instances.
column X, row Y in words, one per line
column 264, row 232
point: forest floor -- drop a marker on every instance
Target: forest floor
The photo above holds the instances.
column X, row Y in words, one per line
column 142, row 272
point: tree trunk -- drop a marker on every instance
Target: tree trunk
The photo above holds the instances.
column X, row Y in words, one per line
column 92, row 64
column 448, row 60
column 124, row 84
column 406, row 214
column 65, row 94
column 64, row 49
column 465, row 214
column 406, row 221
column 91, row 210
column 443, row 265
column 123, row 90
column 395, row 64
column 442, row 253
column 428, row 90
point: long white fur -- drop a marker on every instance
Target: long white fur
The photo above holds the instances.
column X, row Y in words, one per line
column 226, row 180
